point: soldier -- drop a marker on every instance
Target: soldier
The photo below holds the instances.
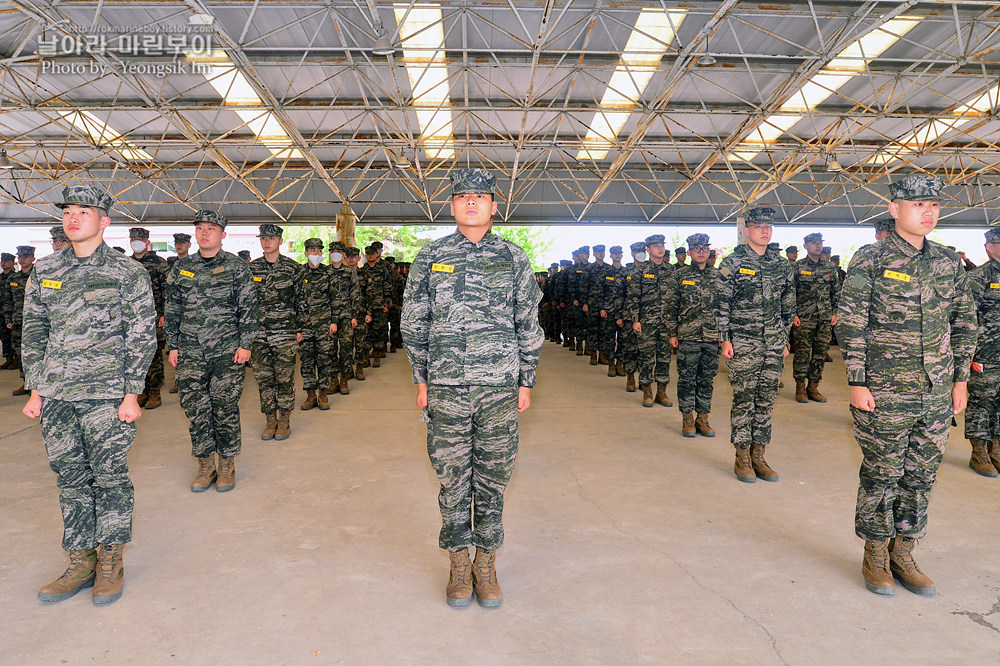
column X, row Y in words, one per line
column 630, row 339
column 754, row 308
column 398, row 285
column 690, row 322
column 817, row 286
column 647, row 292
column 472, row 337
column 884, row 228
column 316, row 327
column 60, row 241
column 244, row 255
column 158, row 270
column 711, row 258
column 612, row 319
column 348, row 310
column 559, row 298
column 681, row 254
column 547, row 312
column 88, row 339
column 276, row 279
column 592, row 303
column 907, row 327
column 364, row 317
column 826, row 253
column 574, row 285
column 982, row 419
column 13, row 306
column 182, row 246
column 6, row 272
column 211, row 322
column 792, row 253
column 380, row 290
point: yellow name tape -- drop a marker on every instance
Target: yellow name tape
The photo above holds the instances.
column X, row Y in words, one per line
column 257, row 279
column 893, row 275
column 52, row 284
column 994, row 285
column 609, row 277
column 688, row 282
column 187, row 273
column 805, row 272
column 442, row 268
column 648, row 275
column 748, row 271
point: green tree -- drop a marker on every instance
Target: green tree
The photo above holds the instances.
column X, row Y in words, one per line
column 535, row 241
column 402, row 242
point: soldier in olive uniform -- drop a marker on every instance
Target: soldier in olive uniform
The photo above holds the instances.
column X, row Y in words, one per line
column 647, row 292
column 817, row 287
column 398, row 285
column 592, row 303
column 348, row 311
column 470, row 325
column 276, row 279
column 353, row 256
column 982, row 418
column 907, row 327
column 316, row 329
column 211, row 322
column 681, row 255
column 60, row 241
column 182, row 246
column 612, row 289
column 630, row 339
column 792, row 253
column 6, row 271
column 13, row 305
column 88, row 338
column 380, row 290
column 884, row 228
column 754, row 309
column 158, row 270
column 690, row 321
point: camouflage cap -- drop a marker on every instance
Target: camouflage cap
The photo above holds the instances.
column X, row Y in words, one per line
column 711, row 254
column 352, row 252
column 243, row 253
column 58, row 233
column 475, row 181
column 993, row 236
column 598, row 248
column 792, row 248
column 377, row 245
column 86, row 195
column 835, row 257
column 887, row 224
column 211, row 216
column 615, row 249
column 270, row 231
column 813, row 238
column 916, row 187
column 313, row 242
column 774, row 246
column 654, row 239
column 695, row 240
column 638, row 246
column 182, row 238
column 370, row 250
column 338, row 246
column 759, row 216
column 138, row 232
column 553, row 265
column 25, row 251
column 827, row 250
column 565, row 262
column 680, row 250
column 6, row 256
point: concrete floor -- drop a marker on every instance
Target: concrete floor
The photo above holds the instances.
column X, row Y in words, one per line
column 626, row 543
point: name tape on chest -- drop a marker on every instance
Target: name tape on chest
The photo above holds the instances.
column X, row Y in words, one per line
column 258, row 279
column 894, row 275
column 14, row 284
column 499, row 266
column 649, row 275
column 994, row 285
column 805, row 272
column 51, row 284
column 442, row 268
column 102, row 285
column 218, row 269
column 609, row 277
column 747, row 271
column 187, row 273
column 690, row 283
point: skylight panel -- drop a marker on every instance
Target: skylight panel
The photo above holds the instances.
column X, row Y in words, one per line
column 103, row 134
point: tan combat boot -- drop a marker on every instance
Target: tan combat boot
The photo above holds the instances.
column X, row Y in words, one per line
column 647, row 395
column 459, row 590
column 568, row 342
column 20, row 391
column 321, row 400
column 702, row 426
column 142, row 399
column 687, row 427
column 484, row 579
column 612, row 369
column 980, row 462
column 344, row 388
column 359, row 373
column 742, row 467
column 110, row 579
column 8, row 363
column 78, row 576
column 270, row 426
column 875, row 568
column 334, row 382
column 812, row 391
column 800, row 391
column 227, row 475
column 995, row 454
column 621, row 368
column 760, row 466
column 154, row 399
column 579, row 347
column 284, row 428
column 207, row 474
column 376, row 362
column 904, row 568
column 173, row 389
column 350, row 373
column 661, row 395
column 310, row 402
column 630, row 382
column 602, row 359
column 593, row 357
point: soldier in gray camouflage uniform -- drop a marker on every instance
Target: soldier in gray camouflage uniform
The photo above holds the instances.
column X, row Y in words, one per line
column 315, row 321
column 592, row 303
column 158, row 270
column 364, row 317
column 276, row 278
column 907, row 327
column 982, row 418
column 817, row 286
column 211, row 322
column 6, row 271
column 470, row 325
column 611, row 291
column 182, row 246
column 348, row 311
column 630, row 339
column 88, row 338
column 380, row 289
column 754, row 308
column 647, row 292
column 13, row 305
column 689, row 318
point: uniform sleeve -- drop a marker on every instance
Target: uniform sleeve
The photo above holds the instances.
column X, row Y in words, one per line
column 964, row 330
column 139, row 328
column 633, row 292
column 247, row 308
column 387, row 284
column 526, row 328
column 173, row 307
column 672, row 304
column 34, row 334
column 302, row 303
column 835, row 286
column 158, row 282
column 8, row 302
column 299, row 296
column 724, row 287
column 788, row 301
column 853, row 313
column 415, row 320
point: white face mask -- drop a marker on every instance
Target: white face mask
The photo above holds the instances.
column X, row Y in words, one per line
column 137, row 245
column 314, row 259
column 640, row 256
column 336, row 257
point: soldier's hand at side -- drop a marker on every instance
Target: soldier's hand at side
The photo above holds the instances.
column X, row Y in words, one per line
column 10, row 325
column 523, row 399
column 784, row 354
column 959, row 397
column 861, row 398
column 385, row 309
column 604, row 314
column 354, row 323
column 727, row 349
column 368, row 319
column 833, row 320
column 796, row 321
column 675, row 342
column 333, row 329
column 172, row 357
column 242, row 356
column 33, row 408
column 421, row 396
column 637, row 327
column 620, row 322
column 159, row 322
column 298, row 337
column 586, row 308
column 129, row 410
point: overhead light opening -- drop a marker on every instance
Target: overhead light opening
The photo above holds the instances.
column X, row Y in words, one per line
column 102, row 134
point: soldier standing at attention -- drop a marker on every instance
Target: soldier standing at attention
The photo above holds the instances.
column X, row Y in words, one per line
column 211, row 323
column 158, row 270
column 693, row 332
column 182, row 245
column 907, row 327
column 380, row 288
column 88, row 338
column 754, row 308
column 13, row 305
column 574, row 287
column 559, row 297
column 682, row 256
column 6, row 271
column 364, row 316
column 648, row 291
column 276, row 279
column 592, row 298
column 546, row 315
column 315, row 331
column 244, row 255
column 630, row 339
column 60, row 241
column 792, row 253
column 347, row 311
column 884, row 228
column 817, row 287
column 981, row 418
column 612, row 286
column 470, row 325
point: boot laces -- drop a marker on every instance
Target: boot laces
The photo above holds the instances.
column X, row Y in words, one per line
column 108, row 564
column 880, row 555
column 76, row 559
column 461, row 568
column 485, row 570
column 204, row 466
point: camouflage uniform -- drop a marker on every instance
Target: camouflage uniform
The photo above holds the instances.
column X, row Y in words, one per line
column 575, row 290
column 907, row 327
column 982, row 418
column 274, row 349
column 647, row 292
column 612, row 301
column 87, row 341
column 380, row 290
column 347, row 303
column 178, row 238
column 754, row 308
column 158, row 270
column 398, row 285
column 364, row 310
column 470, row 326
column 630, row 339
column 6, row 346
column 561, row 314
column 211, row 312
column 592, row 295
column 13, row 303
column 314, row 318
column 817, row 286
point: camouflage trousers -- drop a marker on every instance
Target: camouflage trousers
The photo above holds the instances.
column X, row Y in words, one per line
column 982, row 416
column 610, row 338
column 87, row 448
column 754, row 373
column 15, row 343
column 361, row 341
column 697, row 365
column 903, row 443
column 378, row 329
column 566, row 322
column 472, row 444
column 580, row 325
column 154, row 377
column 5, row 341
column 811, row 341
column 210, row 389
column 593, row 322
column 654, row 354
column 342, row 351
column 630, row 347
column 395, row 335
column 545, row 318
column 316, row 352
column 273, row 360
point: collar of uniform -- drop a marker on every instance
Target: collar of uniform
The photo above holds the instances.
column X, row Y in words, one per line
column 202, row 259
column 904, row 247
column 488, row 238
column 994, row 263
column 96, row 257
column 814, row 263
